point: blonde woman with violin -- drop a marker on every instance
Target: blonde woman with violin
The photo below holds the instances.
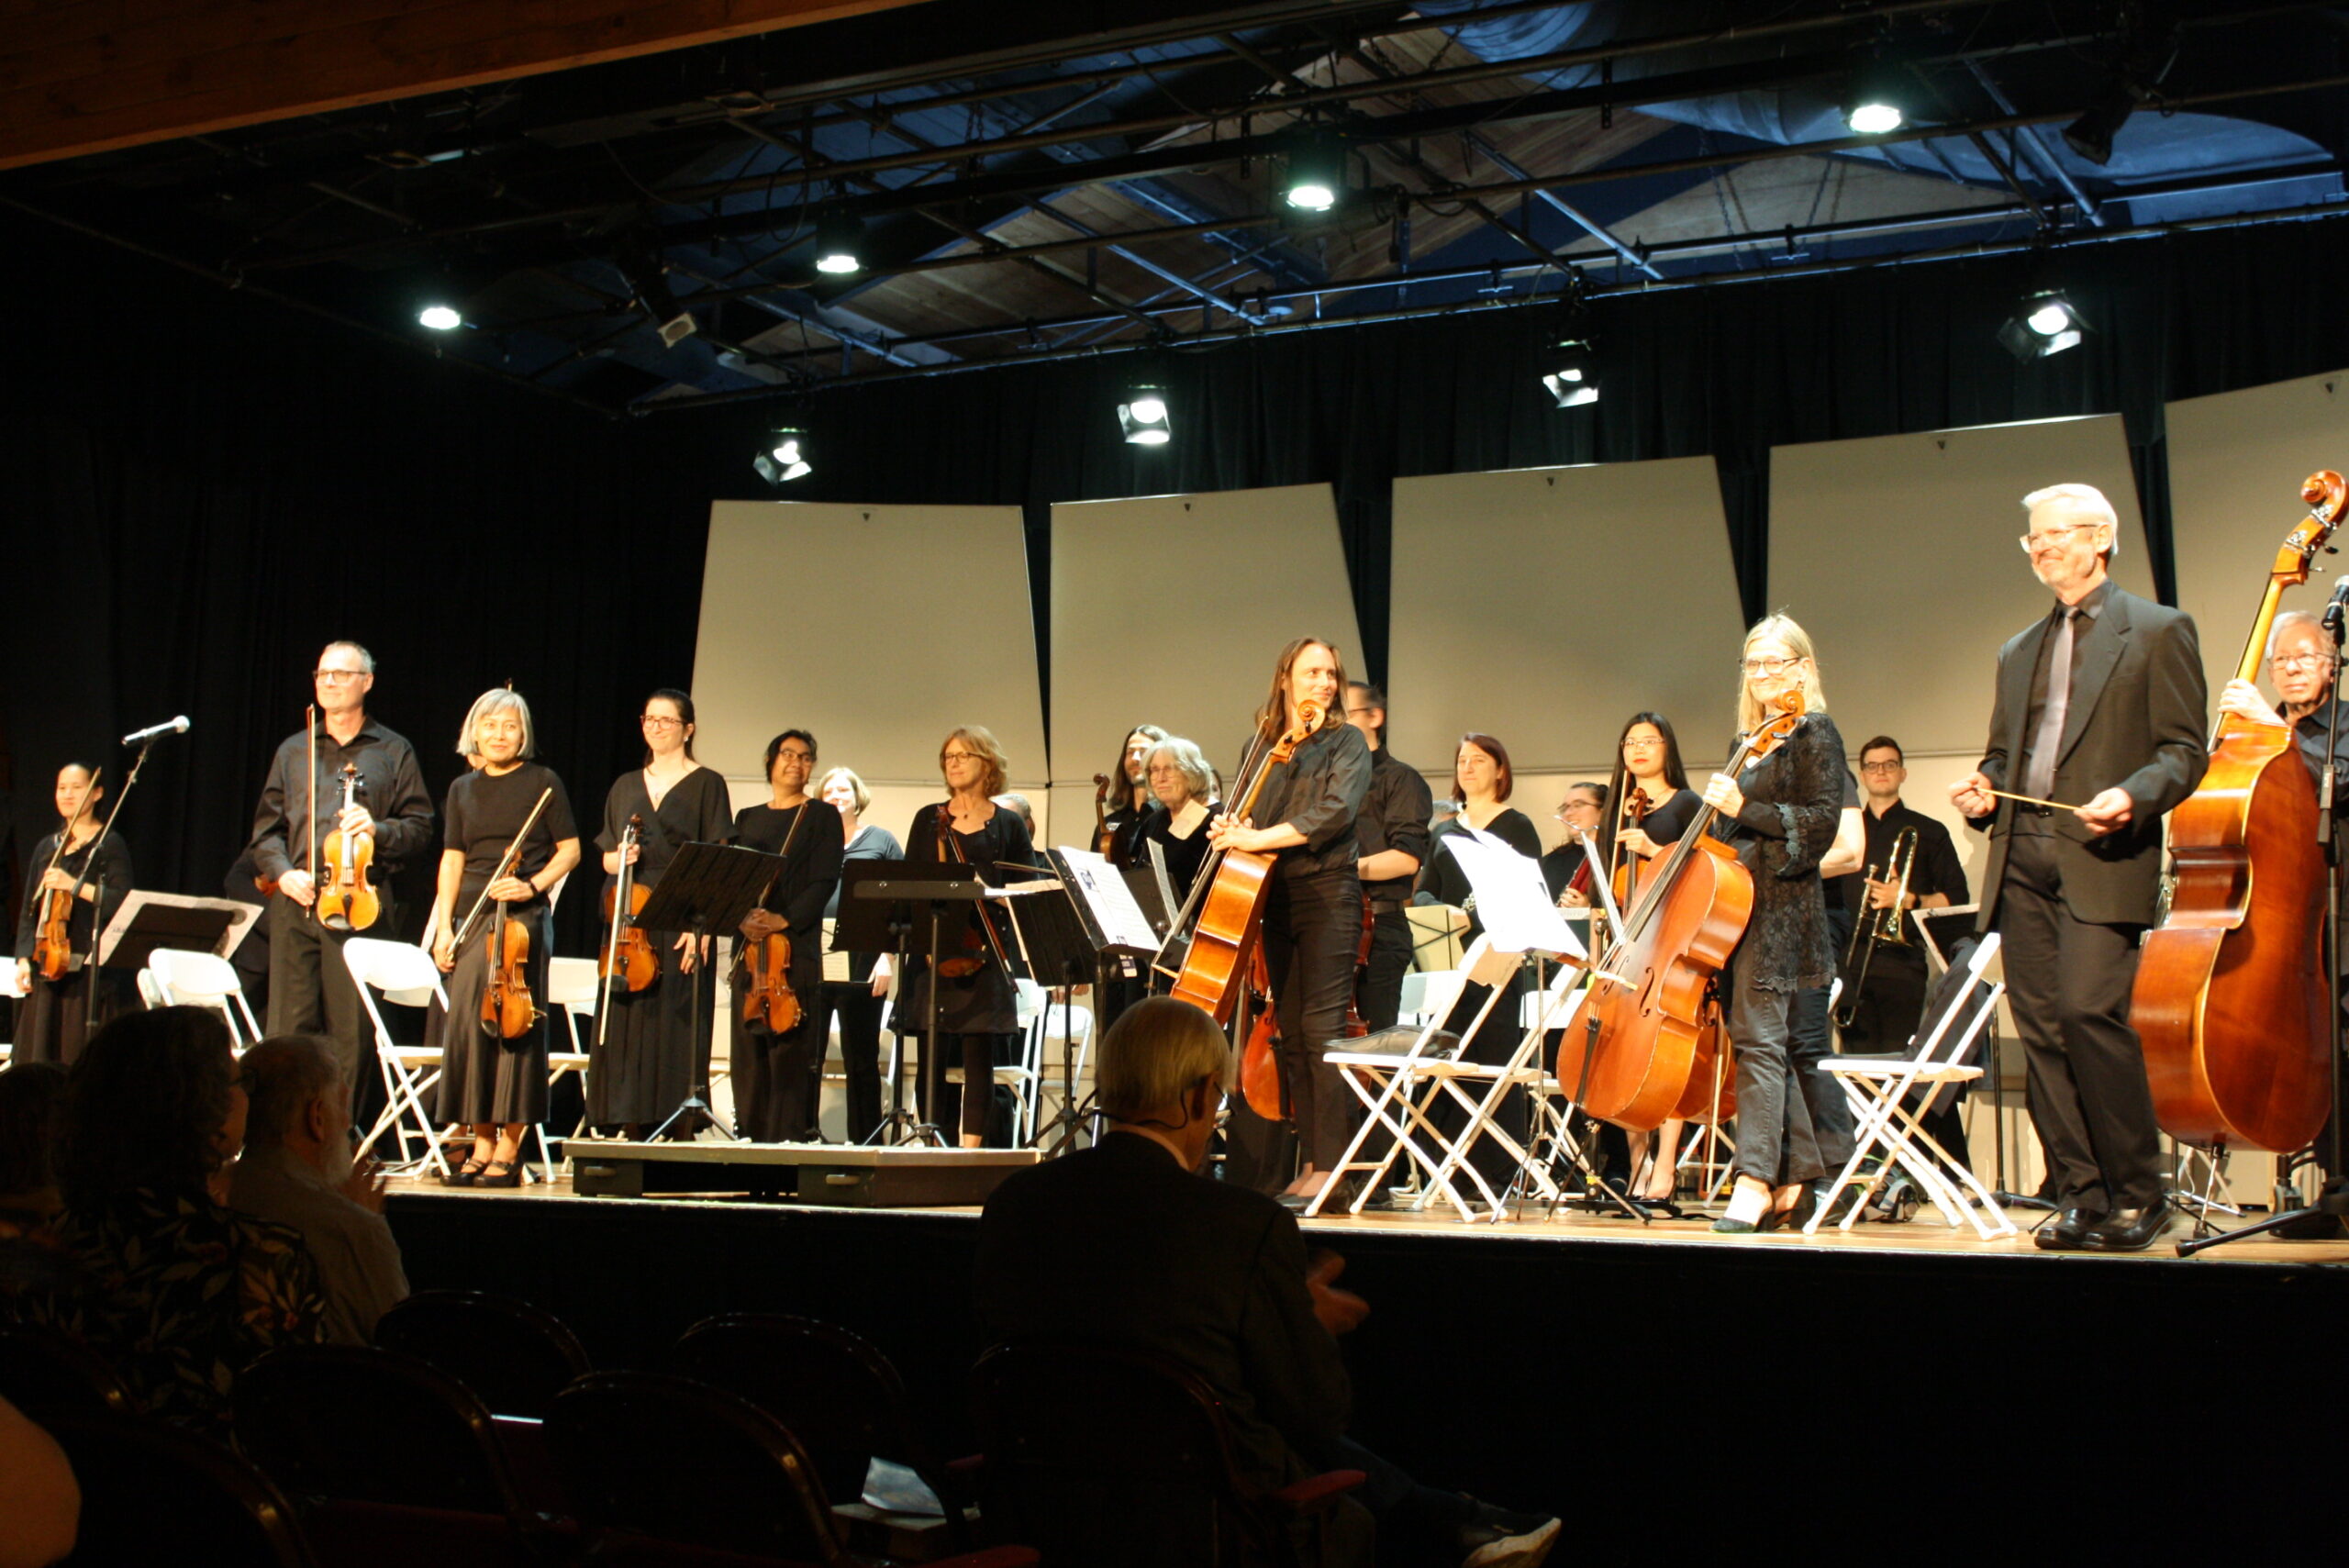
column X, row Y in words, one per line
column 492, row 1085
column 1313, row 925
column 643, row 1060
column 1781, row 813
column 978, row 1020
column 61, row 1010
column 776, row 1072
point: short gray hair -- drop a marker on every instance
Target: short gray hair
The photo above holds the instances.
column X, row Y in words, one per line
column 283, row 1074
column 366, row 660
column 1189, row 760
column 497, row 699
column 1156, row 1050
column 2289, row 618
column 2085, row 498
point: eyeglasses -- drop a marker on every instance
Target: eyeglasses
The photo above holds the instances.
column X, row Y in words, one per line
column 2032, row 541
column 2299, row 661
column 1891, row 767
column 339, row 676
column 788, row 755
column 654, row 721
column 1767, row 666
column 946, row 756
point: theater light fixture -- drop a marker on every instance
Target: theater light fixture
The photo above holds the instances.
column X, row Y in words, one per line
column 1142, row 416
column 1315, row 173
column 1574, row 379
column 1872, row 103
column 2091, row 135
column 839, row 243
column 785, row 459
column 439, row 317
column 2045, row 323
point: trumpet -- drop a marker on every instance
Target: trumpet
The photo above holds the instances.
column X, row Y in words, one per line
column 1887, row 927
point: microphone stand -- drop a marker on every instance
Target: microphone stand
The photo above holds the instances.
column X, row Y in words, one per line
column 2324, row 1218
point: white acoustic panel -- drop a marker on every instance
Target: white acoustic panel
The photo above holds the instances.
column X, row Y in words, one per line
column 1545, row 606
column 2237, row 461
column 1172, row 609
column 878, row 628
column 1899, row 555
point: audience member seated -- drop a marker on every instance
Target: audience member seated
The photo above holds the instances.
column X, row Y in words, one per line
column 299, row 1172
column 39, row 1504
column 179, row 1294
column 32, row 1106
column 1126, row 1244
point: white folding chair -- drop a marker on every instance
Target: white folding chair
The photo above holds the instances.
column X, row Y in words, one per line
column 573, row 985
column 405, row 974
column 1878, row 1087
column 1526, row 1069
column 204, row 980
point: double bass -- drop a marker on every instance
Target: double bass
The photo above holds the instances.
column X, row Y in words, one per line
column 1644, row 1040
column 2231, row 992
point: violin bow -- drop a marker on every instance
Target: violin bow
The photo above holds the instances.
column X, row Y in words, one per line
column 505, row 862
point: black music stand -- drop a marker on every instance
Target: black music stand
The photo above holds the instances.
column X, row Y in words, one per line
column 707, row 885
column 146, row 922
column 1072, row 933
column 892, row 906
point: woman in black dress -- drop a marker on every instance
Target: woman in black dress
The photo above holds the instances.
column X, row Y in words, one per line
column 1130, row 806
column 644, row 1059
column 978, row 1020
column 1312, row 927
column 56, row 1016
column 1182, row 790
column 1781, row 813
column 858, row 1001
column 496, row 1087
column 777, row 1075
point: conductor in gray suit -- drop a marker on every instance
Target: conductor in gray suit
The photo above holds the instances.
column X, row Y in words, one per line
column 2100, row 702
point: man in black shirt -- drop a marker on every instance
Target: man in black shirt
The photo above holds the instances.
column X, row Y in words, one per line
column 1390, row 844
column 1891, row 994
column 311, row 990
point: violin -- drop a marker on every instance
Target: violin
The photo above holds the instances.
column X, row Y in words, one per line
column 630, row 955
column 1103, row 840
column 2231, row 990
column 508, row 1009
column 765, row 981
column 979, row 940
column 53, row 949
column 346, row 900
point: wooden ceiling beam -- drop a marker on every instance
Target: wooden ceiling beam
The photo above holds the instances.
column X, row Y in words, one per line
column 83, row 76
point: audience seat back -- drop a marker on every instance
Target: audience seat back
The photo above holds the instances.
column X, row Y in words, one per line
column 44, row 1373
column 514, row 1357
column 152, row 1494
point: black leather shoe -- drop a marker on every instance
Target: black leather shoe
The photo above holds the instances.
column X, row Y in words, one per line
column 2130, row 1230
column 2068, row 1231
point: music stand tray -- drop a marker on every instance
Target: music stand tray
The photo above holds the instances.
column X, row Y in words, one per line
column 893, row 906
column 149, row 921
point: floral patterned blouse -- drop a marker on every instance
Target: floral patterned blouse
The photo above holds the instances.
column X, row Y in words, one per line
column 180, row 1294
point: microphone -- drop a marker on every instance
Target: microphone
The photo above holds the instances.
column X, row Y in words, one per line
column 2335, row 609
column 175, row 727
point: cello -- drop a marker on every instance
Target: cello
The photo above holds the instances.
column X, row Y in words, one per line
column 1640, row 1042
column 1104, row 837
column 2230, row 996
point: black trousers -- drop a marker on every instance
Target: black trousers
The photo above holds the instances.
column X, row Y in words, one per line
column 311, row 992
column 1378, row 991
column 2068, row 981
column 859, row 1012
column 1312, row 930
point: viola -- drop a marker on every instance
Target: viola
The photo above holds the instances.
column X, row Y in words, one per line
column 628, row 955
column 2231, row 993
column 980, row 940
column 1226, row 909
column 763, row 982
column 1638, row 1037
column 346, row 900
column 53, row 947
column 508, row 1009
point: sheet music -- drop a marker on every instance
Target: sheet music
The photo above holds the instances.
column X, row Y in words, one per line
column 1111, row 902
column 1512, row 901
column 835, row 962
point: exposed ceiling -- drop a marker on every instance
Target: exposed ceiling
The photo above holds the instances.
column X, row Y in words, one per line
column 1122, row 188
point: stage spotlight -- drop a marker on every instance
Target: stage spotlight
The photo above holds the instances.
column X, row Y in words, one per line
column 2091, row 135
column 839, row 243
column 1872, row 102
column 1142, row 416
column 785, row 458
column 1316, row 171
column 1573, row 381
column 439, row 317
column 2046, row 323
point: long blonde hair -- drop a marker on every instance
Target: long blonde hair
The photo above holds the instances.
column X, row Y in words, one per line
column 1780, row 627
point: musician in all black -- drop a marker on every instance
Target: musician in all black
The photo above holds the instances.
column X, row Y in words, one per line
column 1391, row 841
column 311, row 990
column 644, row 1057
column 1182, row 788
column 777, row 1077
column 1890, row 997
column 1129, row 809
column 57, row 1016
column 978, row 1022
column 496, row 1087
column 1313, row 925
column 2100, row 703
column 1568, row 870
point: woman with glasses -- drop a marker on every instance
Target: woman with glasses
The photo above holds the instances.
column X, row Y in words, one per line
column 644, row 1059
column 1783, row 814
column 1182, row 788
column 778, row 1076
column 58, row 1014
column 496, row 1087
column 978, row 1021
column 858, row 1001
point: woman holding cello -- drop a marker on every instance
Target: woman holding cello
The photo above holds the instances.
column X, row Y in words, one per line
column 643, row 1060
column 65, row 996
column 1650, row 806
column 1312, row 921
column 777, row 1081
column 496, row 894
column 978, row 1021
column 1781, row 813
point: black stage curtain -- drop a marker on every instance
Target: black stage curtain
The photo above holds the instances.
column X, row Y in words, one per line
column 208, row 487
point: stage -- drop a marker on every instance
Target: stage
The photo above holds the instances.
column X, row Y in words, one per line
column 1624, row 1375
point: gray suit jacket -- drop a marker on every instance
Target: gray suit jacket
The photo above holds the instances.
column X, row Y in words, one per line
column 2139, row 706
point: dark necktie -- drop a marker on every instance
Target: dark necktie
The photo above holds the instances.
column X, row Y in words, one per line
column 2040, row 780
